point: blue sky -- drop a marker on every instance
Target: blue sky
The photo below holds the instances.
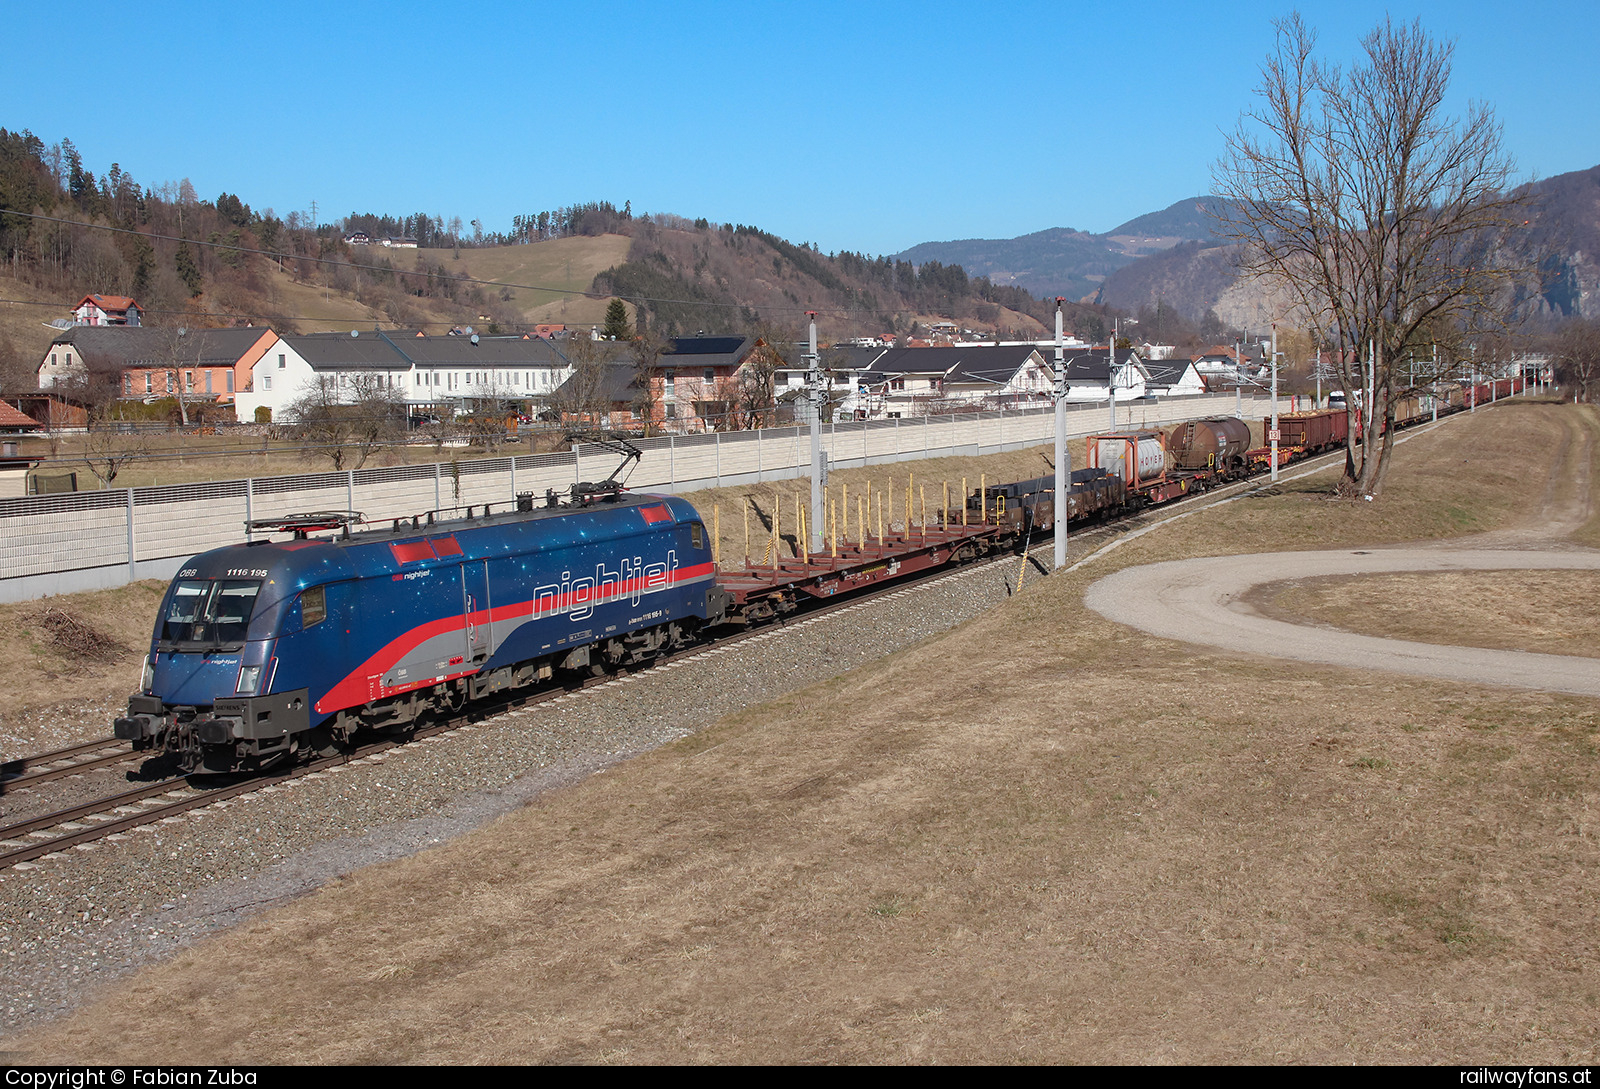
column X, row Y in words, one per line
column 865, row 126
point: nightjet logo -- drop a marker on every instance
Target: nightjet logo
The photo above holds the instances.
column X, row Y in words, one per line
column 578, row 597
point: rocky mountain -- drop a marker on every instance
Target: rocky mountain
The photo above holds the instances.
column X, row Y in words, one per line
column 1562, row 242
column 1073, row 263
column 1175, row 257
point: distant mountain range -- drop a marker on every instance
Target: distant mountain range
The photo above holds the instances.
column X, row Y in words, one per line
column 1175, row 257
column 1063, row 261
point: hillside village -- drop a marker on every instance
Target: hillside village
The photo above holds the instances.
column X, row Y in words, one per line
column 106, row 366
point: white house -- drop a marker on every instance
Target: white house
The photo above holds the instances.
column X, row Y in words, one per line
column 1173, row 378
column 1089, row 375
column 961, row 377
column 424, row 370
column 106, row 310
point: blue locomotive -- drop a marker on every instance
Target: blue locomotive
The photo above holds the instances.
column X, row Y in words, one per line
column 266, row 649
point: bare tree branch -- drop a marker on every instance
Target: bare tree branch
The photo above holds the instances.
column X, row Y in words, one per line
column 1383, row 220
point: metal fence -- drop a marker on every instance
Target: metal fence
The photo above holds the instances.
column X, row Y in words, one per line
column 51, row 544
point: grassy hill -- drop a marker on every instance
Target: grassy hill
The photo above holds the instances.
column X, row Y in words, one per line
column 556, row 273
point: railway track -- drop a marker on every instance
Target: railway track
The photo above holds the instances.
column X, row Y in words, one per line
column 72, row 760
column 79, row 826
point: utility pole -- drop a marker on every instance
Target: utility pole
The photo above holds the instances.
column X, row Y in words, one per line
column 1111, row 371
column 1063, row 458
column 1274, row 435
column 819, row 465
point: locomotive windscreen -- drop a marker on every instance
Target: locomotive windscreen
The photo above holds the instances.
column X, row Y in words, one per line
column 208, row 613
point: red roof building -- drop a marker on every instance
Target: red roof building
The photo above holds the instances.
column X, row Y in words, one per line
column 106, row 310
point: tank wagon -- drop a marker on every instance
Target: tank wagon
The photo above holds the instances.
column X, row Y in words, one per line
column 1220, row 444
column 1139, row 460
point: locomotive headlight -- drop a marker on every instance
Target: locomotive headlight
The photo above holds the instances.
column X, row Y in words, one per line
column 248, row 678
column 147, row 679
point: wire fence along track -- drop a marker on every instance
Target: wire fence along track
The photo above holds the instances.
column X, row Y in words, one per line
column 52, row 544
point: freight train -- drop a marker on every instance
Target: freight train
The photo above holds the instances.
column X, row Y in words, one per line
column 272, row 649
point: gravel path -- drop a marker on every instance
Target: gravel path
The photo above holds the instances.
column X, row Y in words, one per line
column 1202, row 601
column 69, row 924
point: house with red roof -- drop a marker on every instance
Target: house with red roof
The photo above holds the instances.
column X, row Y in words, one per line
column 106, row 310
column 14, row 421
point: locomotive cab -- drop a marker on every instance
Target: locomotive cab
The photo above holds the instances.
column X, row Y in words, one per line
column 206, row 692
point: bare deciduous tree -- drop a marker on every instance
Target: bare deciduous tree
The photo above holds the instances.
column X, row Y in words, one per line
column 1577, row 355
column 649, row 375
column 1381, row 217
column 107, row 449
column 348, row 418
column 585, row 397
column 181, row 352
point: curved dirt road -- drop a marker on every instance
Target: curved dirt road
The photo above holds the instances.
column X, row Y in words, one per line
column 1200, row 601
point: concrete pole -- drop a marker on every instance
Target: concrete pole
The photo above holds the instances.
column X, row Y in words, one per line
column 1111, row 374
column 1063, row 458
column 1274, row 435
column 818, row 469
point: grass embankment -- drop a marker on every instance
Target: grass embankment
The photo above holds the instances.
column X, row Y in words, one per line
column 1039, row 837
column 66, row 658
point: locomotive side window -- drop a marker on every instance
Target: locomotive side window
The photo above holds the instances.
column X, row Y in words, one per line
column 697, row 534
column 313, row 606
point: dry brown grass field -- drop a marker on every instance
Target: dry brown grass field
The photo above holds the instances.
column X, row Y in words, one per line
column 1549, row 612
column 52, row 671
column 1039, row 837
column 553, row 275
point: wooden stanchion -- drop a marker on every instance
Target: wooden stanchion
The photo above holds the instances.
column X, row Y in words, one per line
column 922, row 495
column 833, row 530
column 946, row 521
column 746, row 506
column 963, row 501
